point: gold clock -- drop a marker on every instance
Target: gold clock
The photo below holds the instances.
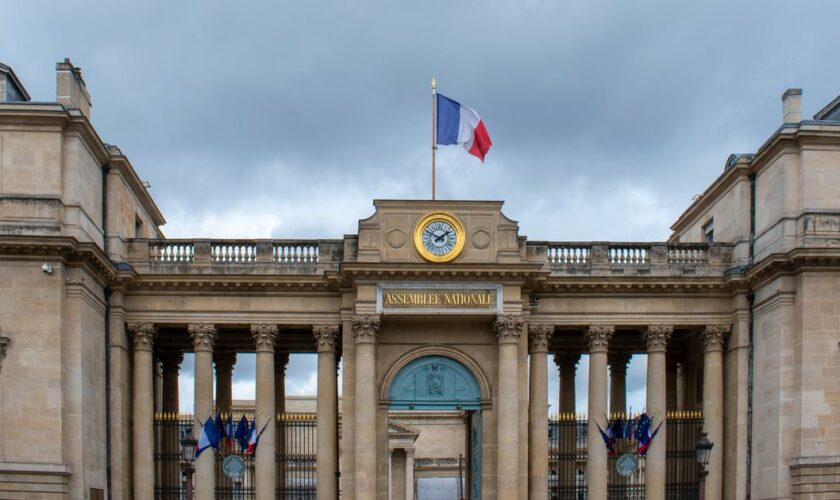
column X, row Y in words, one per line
column 439, row 237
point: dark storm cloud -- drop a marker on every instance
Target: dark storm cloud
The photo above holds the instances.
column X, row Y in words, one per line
column 599, row 110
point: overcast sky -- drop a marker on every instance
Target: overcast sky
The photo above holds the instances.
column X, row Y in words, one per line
column 285, row 119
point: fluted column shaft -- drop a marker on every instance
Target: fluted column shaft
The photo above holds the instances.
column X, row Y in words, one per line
column 567, row 367
column 224, row 362
column 171, row 366
column 327, row 418
column 599, row 337
column 265, row 337
column 618, row 381
column 365, row 332
column 656, row 337
column 539, row 336
column 409, row 474
column 714, row 340
column 508, row 330
column 204, row 338
column 143, row 337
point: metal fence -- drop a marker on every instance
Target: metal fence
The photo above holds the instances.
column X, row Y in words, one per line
column 567, row 457
column 295, row 459
column 567, row 448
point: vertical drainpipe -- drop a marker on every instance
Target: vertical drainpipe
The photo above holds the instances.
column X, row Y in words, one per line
column 751, row 332
column 107, row 298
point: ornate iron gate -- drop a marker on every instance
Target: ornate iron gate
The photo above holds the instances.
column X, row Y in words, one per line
column 566, row 457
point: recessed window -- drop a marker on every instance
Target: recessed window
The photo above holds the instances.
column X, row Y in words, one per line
column 138, row 227
column 709, row 231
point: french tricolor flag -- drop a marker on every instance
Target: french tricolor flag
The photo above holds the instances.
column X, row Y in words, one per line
column 458, row 124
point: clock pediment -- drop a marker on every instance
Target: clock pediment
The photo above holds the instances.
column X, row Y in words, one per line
column 390, row 234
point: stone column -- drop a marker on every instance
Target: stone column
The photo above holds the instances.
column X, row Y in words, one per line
column 265, row 472
column 224, row 361
column 409, row 474
column 365, row 331
column 714, row 340
column 671, row 365
column 281, row 360
column 204, row 338
column 508, row 330
column 618, row 381
column 143, row 338
column 567, row 366
column 171, row 366
column 656, row 337
column 327, row 418
column 599, row 337
column 539, row 336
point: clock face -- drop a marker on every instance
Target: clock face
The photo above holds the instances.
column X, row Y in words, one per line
column 439, row 237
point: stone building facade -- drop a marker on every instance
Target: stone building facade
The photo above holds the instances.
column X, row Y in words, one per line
column 431, row 305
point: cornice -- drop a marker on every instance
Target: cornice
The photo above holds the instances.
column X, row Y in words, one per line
column 353, row 272
column 66, row 248
column 792, row 262
column 243, row 283
column 639, row 285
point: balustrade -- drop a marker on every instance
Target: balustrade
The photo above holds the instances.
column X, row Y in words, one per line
column 568, row 254
column 172, row 251
column 628, row 255
column 233, row 251
column 295, row 253
column 687, row 254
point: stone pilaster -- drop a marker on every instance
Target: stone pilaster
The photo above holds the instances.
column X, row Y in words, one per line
column 656, row 337
column 327, row 418
column 224, row 361
column 599, row 337
column 508, row 329
column 170, row 367
column 265, row 337
column 204, row 338
column 618, row 381
column 567, row 367
column 538, row 336
column 142, row 341
column 714, row 341
column 365, row 332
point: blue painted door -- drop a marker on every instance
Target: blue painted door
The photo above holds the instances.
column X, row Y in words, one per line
column 475, row 456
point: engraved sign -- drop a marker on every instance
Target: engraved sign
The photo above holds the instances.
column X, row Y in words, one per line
column 440, row 298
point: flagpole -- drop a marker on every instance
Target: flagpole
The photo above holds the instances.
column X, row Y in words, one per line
column 434, row 134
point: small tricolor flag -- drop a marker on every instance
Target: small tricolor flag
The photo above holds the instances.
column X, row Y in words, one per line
column 209, row 437
column 458, row 124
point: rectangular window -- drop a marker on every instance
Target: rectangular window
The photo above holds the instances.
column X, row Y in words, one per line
column 138, row 227
column 709, row 231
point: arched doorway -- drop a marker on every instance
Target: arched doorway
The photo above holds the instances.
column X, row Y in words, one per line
column 440, row 383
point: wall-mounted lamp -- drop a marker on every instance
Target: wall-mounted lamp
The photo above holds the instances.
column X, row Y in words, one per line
column 46, row 268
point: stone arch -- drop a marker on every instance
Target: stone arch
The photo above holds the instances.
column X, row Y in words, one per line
column 460, row 368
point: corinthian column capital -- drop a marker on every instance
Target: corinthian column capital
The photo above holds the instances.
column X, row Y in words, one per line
column 539, row 335
column 281, row 360
column 203, row 336
column 142, row 335
column 617, row 362
column 265, row 336
column 567, row 361
column 714, row 337
column 508, row 328
column 325, row 337
column 224, row 361
column 599, row 337
column 656, row 337
column 4, row 343
column 366, row 328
